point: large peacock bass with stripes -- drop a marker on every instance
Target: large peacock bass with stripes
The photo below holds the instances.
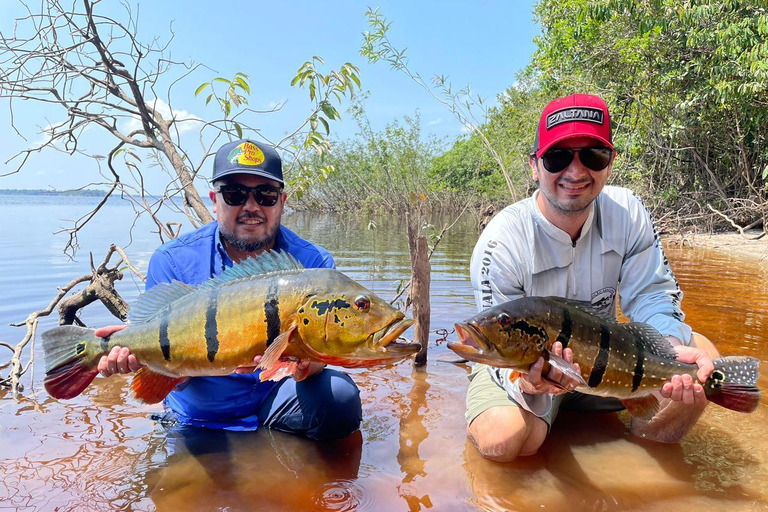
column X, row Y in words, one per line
column 626, row 361
column 269, row 306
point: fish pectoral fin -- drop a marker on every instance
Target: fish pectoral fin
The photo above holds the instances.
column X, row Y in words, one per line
column 275, row 349
column 151, row 387
column 566, row 367
column 279, row 371
column 643, row 408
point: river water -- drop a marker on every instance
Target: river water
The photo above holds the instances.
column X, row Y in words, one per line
column 100, row 451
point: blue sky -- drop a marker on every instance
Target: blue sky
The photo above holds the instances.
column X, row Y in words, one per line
column 482, row 44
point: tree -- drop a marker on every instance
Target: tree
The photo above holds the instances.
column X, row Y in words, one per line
column 95, row 70
column 98, row 74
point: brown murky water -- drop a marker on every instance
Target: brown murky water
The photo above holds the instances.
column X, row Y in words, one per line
column 101, row 452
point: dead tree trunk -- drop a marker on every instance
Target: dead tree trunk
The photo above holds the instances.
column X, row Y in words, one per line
column 420, row 281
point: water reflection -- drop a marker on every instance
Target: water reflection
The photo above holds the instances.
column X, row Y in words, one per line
column 412, row 433
column 266, row 470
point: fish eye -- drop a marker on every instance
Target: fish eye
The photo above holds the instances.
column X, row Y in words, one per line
column 503, row 319
column 362, row 303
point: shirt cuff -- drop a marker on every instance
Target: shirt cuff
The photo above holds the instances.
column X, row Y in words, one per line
column 668, row 326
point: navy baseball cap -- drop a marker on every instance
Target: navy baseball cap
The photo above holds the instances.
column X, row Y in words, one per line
column 247, row 157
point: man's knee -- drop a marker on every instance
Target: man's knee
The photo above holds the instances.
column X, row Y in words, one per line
column 341, row 413
column 506, row 433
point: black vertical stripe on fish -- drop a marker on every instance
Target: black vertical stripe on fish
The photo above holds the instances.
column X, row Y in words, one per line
column 637, row 378
column 165, row 342
column 272, row 312
column 211, row 325
column 565, row 331
column 601, row 361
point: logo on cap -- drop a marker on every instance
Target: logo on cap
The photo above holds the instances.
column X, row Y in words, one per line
column 246, row 153
column 566, row 115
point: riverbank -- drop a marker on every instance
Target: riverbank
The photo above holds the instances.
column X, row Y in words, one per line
column 730, row 242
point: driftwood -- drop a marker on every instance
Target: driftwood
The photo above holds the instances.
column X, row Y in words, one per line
column 742, row 230
column 100, row 286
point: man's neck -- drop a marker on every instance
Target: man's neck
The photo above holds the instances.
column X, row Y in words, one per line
column 570, row 222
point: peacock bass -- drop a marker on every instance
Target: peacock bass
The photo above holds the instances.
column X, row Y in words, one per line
column 268, row 305
column 625, row 361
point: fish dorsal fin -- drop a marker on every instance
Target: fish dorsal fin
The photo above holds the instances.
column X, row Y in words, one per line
column 154, row 300
column 586, row 307
column 265, row 264
column 652, row 340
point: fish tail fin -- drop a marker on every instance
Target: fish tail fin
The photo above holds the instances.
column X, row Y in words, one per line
column 71, row 356
column 733, row 384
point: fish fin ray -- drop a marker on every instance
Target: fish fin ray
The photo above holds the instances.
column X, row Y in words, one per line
column 279, row 371
column 586, row 307
column 151, row 387
column 275, row 350
column 266, row 263
column 733, row 384
column 565, row 367
column 651, row 339
column 644, row 407
column 157, row 298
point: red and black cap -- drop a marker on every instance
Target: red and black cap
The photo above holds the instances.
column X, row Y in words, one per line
column 577, row 115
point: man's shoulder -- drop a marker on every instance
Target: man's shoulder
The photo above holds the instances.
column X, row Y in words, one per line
column 514, row 215
column 308, row 253
column 619, row 197
column 190, row 241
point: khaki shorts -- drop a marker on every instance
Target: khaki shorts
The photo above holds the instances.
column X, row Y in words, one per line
column 484, row 393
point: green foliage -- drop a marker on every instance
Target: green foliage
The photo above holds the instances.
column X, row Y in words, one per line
column 375, row 171
column 323, row 90
column 231, row 96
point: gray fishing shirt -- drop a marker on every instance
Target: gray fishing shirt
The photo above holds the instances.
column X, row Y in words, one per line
column 520, row 253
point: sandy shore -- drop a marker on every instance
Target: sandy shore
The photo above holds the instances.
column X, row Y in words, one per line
column 732, row 243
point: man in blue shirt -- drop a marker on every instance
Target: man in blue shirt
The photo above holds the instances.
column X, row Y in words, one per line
column 248, row 201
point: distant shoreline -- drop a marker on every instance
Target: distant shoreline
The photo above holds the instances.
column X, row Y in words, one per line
column 41, row 192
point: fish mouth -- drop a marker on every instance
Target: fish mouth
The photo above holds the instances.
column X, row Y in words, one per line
column 387, row 337
column 473, row 345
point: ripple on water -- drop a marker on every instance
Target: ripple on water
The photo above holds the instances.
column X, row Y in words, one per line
column 342, row 496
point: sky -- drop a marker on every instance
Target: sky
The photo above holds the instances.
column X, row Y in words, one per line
column 481, row 44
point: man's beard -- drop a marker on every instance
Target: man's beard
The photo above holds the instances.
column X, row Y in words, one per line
column 250, row 245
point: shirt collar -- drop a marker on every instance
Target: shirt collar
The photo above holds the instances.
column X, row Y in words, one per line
column 554, row 247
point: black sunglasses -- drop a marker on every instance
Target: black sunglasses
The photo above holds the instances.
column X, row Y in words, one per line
column 593, row 158
column 237, row 195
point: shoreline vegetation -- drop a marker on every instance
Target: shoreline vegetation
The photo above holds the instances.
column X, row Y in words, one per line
column 43, row 192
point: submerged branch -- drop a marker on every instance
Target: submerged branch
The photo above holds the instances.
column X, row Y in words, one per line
column 101, row 286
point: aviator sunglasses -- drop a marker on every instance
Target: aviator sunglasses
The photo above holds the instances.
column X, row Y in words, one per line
column 237, row 195
column 593, row 158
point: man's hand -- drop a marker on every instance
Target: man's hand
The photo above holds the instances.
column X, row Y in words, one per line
column 533, row 383
column 304, row 370
column 119, row 359
column 682, row 388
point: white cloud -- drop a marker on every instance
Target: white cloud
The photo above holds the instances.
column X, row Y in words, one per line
column 185, row 122
column 467, row 128
column 272, row 105
column 435, row 121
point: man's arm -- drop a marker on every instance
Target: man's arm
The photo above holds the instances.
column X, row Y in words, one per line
column 650, row 294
